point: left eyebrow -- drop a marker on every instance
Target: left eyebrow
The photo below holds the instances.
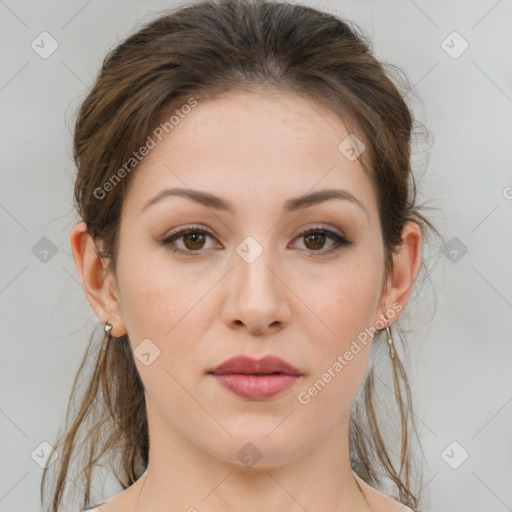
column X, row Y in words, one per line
column 320, row 196
column 294, row 204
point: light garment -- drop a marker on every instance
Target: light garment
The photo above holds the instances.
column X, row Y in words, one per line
column 98, row 510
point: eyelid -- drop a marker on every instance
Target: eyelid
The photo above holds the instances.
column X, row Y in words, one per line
column 318, row 227
column 188, row 227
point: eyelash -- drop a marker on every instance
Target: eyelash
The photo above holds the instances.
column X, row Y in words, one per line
column 339, row 241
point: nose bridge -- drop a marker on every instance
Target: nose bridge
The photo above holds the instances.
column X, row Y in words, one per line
column 253, row 261
column 256, row 293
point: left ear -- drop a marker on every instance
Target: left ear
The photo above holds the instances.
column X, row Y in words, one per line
column 407, row 262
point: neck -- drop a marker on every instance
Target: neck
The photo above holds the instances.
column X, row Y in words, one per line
column 183, row 476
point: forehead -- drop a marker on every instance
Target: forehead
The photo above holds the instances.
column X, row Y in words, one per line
column 258, row 150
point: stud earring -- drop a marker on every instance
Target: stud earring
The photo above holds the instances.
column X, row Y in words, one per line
column 107, row 327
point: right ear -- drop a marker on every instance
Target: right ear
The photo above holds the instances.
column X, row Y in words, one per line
column 100, row 288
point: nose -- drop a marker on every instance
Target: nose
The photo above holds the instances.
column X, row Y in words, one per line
column 257, row 298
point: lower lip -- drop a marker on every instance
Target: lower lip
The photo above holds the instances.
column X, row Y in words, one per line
column 257, row 387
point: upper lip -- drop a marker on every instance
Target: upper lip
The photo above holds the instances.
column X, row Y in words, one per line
column 245, row 364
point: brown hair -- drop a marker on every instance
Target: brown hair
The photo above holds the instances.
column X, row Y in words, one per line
column 198, row 51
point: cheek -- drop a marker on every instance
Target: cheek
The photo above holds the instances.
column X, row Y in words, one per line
column 337, row 382
column 340, row 362
column 343, row 334
column 146, row 297
column 348, row 300
column 164, row 304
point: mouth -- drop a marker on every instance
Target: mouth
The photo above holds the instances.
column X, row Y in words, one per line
column 256, row 379
column 246, row 365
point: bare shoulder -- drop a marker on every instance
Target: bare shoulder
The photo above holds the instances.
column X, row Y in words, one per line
column 380, row 501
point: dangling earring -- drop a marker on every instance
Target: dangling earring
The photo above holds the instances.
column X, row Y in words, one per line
column 391, row 345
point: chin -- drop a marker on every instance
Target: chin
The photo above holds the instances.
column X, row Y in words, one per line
column 259, row 447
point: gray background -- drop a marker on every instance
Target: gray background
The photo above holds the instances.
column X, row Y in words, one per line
column 461, row 341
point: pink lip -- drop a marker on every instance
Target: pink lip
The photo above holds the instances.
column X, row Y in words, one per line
column 256, row 379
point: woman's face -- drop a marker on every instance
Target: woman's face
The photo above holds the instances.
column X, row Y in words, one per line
column 254, row 284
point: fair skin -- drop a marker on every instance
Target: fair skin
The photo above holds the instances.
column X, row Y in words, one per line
column 200, row 308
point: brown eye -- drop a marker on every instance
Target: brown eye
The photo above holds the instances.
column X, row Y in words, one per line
column 316, row 239
column 191, row 239
column 194, row 240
